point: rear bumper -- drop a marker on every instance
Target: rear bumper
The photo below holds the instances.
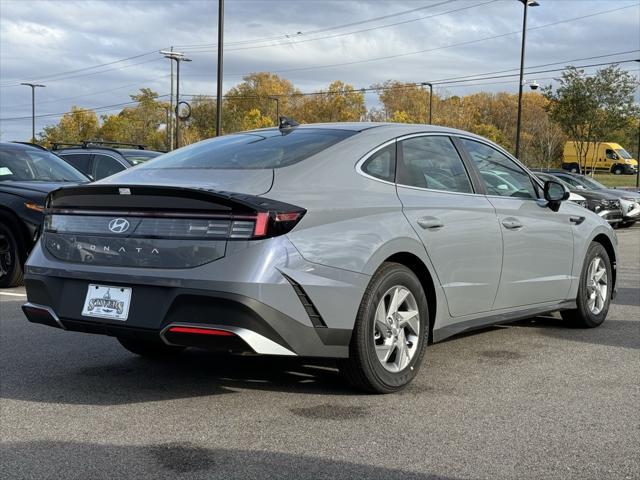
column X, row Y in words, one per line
column 255, row 326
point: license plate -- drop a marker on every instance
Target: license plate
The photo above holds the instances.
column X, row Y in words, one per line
column 105, row 301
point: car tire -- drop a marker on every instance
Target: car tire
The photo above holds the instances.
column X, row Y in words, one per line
column 618, row 170
column 11, row 273
column 574, row 170
column 149, row 349
column 400, row 343
column 592, row 302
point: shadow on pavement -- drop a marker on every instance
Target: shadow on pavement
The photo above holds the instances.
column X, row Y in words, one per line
column 194, row 373
column 628, row 296
column 614, row 333
column 71, row 460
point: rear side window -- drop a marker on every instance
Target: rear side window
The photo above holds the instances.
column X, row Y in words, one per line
column 105, row 166
column 432, row 162
column 255, row 150
column 82, row 161
column 382, row 164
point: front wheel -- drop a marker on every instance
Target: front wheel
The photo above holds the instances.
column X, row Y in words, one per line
column 10, row 267
column 390, row 333
column 594, row 291
column 618, row 170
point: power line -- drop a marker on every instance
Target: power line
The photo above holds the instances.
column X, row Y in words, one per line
column 93, row 109
column 48, row 78
column 320, row 30
column 468, row 42
column 343, row 34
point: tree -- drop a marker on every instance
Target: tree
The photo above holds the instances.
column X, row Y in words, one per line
column 410, row 99
column 591, row 108
column 75, row 126
column 339, row 103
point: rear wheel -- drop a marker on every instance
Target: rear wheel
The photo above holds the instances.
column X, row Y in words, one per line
column 390, row 333
column 594, row 292
column 10, row 266
column 150, row 349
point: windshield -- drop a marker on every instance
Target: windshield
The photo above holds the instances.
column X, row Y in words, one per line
column 27, row 164
column 623, row 153
column 140, row 156
column 254, row 150
column 589, row 183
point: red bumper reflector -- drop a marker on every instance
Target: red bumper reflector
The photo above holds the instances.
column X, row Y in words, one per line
column 201, row 331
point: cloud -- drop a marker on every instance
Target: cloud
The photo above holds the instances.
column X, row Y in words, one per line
column 41, row 38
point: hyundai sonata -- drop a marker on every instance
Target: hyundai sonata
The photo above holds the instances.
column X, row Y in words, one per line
column 359, row 241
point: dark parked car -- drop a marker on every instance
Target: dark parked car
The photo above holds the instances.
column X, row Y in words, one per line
column 605, row 205
column 102, row 159
column 629, row 201
column 27, row 175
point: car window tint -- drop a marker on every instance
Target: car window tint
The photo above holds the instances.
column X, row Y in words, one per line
column 36, row 165
column 432, row 162
column 500, row 175
column 81, row 161
column 105, row 166
column 382, row 164
column 252, row 150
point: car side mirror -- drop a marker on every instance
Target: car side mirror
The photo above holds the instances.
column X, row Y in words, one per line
column 555, row 193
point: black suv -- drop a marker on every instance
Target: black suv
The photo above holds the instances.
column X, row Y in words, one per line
column 27, row 174
column 102, row 159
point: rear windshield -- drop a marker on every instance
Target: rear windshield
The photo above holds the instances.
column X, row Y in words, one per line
column 255, row 150
column 138, row 157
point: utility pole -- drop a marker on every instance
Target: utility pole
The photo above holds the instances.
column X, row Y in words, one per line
column 220, row 63
column 33, row 107
column 277, row 100
column 178, row 58
column 527, row 4
column 430, row 101
column 170, row 126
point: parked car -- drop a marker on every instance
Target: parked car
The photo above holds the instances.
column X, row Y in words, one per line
column 356, row 241
column 629, row 200
column 99, row 160
column 605, row 205
column 604, row 156
column 27, row 174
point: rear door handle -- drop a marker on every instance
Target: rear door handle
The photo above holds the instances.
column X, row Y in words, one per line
column 430, row 223
column 511, row 223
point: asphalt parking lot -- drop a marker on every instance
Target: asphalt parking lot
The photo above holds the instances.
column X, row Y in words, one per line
column 533, row 399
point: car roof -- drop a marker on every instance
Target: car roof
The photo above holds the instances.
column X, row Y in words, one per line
column 362, row 126
column 19, row 146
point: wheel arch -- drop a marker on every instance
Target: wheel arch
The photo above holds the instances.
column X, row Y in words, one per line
column 8, row 217
column 418, row 267
column 606, row 242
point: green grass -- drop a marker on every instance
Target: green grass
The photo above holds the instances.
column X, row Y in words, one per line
column 611, row 180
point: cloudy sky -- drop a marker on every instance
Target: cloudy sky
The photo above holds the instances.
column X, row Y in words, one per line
column 96, row 53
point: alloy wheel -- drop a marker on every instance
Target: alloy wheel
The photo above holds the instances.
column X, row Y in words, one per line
column 597, row 285
column 396, row 328
column 5, row 256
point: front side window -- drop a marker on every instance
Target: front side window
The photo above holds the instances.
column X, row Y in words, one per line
column 36, row 165
column 105, row 166
column 252, row 150
column 611, row 154
column 500, row 175
column 432, row 162
column 382, row 164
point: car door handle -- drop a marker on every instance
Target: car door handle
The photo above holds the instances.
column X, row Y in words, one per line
column 576, row 220
column 430, row 223
column 511, row 223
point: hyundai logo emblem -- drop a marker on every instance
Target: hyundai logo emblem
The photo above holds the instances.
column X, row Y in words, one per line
column 119, row 225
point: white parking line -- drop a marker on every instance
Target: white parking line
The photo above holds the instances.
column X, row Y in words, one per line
column 11, row 294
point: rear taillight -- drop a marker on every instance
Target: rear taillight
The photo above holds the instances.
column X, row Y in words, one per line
column 172, row 226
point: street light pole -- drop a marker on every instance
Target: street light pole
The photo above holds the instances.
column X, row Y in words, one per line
column 277, row 100
column 527, row 4
column 33, row 107
column 638, row 157
column 220, row 63
column 178, row 58
column 430, row 100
